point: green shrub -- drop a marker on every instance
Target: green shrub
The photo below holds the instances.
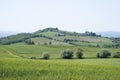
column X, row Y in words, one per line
column 33, row 58
column 67, row 54
column 116, row 55
column 45, row 55
column 79, row 53
column 105, row 54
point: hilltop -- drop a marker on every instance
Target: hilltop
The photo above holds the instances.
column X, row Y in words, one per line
column 54, row 36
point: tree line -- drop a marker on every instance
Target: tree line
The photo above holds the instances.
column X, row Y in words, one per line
column 69, row 54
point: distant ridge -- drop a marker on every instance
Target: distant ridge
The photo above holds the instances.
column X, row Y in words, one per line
column 6, row 33
column 109, row 34
column 51, row 34
column 54, row 36
column 104, row 34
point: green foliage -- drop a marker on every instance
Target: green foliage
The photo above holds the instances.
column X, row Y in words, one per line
column 116, row 42
column 91, row 34
column 105, row 54
column 67, row 54
column 47, row 29
column 97, row 45
column 45, row 55
column 116, row 55
column 79, row 53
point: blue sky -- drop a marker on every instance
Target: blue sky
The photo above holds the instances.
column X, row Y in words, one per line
column 71, row 15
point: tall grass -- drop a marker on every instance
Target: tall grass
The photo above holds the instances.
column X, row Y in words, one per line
column 87, row 69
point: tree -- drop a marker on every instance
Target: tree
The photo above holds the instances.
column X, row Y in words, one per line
column 67, row 54
column 50, row 43
column 116, row 55
column 30, row 42
column 98, row 55
column 45, row 55
column 97, row 45
column 105, row 54
column 79, row 53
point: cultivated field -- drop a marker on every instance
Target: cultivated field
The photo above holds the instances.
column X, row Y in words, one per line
column 15, row 64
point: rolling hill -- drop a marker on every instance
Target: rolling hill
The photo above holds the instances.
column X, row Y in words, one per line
column 54, row 36
column 17, row 53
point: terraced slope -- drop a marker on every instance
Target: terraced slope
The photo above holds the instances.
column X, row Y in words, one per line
column 58, row 37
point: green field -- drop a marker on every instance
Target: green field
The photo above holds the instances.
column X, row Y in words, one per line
column 54, row 50
column 15, row 64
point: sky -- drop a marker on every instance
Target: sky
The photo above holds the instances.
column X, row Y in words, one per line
column 70, row 15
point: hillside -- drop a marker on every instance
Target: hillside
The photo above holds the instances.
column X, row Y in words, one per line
column 54, row 36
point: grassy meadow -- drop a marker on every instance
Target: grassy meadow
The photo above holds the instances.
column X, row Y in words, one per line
column 28, row 51
column 88, row 69
column 15, row 64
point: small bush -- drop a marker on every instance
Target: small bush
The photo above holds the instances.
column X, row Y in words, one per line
column 116, row 55
column 67, row 54
column 45, row 55
column 33, row 58
column 105, row 54
column 79, row 53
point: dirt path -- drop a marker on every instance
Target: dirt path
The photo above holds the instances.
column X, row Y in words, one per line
column 10, row 52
